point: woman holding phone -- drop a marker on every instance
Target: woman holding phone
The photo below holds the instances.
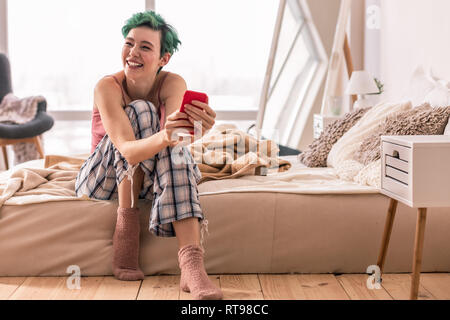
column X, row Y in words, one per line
column 135, row 116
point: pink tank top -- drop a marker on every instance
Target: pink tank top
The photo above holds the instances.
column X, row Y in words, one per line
column 97, row 129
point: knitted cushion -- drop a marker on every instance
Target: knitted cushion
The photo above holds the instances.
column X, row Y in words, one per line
column 317, row 152
column 422, row 120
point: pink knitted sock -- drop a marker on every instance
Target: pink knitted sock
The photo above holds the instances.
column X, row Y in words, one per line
column 193, row 275
column 126, row 245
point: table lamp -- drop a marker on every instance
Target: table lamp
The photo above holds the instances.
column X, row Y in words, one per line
column 361, row 83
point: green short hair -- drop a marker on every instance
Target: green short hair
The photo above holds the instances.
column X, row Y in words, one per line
column 169, row 36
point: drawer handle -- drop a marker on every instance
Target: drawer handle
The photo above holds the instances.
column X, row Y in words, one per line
column 395, row 154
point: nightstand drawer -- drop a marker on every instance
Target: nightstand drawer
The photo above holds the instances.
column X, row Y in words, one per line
column 397, row 151
column 397, row 164
column 398, row 175
column 415, row 169
column 396, row 169
column 396, row 187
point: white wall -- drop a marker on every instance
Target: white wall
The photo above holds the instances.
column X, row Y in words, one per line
column 413, row 32
column 372, row 37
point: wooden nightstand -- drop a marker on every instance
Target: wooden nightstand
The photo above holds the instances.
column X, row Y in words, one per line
column 416, row 171
column 321, row 122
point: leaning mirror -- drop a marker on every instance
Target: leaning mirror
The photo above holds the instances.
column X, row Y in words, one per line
column 296, row 66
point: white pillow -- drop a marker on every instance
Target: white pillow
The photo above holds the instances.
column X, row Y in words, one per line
column 350, row 142
column 423, row 87
column 421, row 83
column 439, row 96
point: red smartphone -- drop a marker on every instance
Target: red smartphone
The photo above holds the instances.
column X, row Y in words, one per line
column 193, row 95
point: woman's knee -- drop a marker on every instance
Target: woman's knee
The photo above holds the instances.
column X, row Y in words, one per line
column 143, row 106
column 144, row 118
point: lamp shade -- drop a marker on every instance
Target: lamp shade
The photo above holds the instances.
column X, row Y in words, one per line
column 361, row 82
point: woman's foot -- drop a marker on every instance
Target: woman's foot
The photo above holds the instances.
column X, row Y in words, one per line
column 193, row 275
column 126, row 245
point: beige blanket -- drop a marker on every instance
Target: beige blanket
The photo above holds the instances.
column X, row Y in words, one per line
column 227, row 153
column 55, row 182
column 220, row 155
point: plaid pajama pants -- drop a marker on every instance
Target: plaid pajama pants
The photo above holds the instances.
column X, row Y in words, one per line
column 170, row 183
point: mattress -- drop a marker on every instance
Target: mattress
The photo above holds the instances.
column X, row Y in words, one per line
column 258, row 228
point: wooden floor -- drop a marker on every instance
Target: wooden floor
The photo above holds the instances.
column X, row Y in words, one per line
column 234, row 287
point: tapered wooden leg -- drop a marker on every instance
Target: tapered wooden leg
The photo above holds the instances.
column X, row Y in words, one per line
column 5, row 157
column 418, row 249
column 387, row 233
column 37, row 142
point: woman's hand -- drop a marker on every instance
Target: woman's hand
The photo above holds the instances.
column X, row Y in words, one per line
column 176, row 122
column 202, row 119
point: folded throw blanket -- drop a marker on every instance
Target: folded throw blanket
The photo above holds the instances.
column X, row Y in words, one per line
column 55, row 182
column 14, row 110
column 18, row 111
column 227, row 152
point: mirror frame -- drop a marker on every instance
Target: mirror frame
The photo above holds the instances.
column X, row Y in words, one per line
column 292, row 136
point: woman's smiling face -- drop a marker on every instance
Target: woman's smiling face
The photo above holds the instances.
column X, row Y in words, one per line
column 141, row 53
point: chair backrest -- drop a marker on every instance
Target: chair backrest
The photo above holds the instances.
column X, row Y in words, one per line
column 5, row 76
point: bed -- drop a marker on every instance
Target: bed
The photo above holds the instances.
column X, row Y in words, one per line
column 304, row 220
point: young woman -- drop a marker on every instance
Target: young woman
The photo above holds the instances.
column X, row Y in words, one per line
column 133, row 153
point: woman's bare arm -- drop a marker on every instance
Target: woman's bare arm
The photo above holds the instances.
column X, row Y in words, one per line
column 172, row 93
column 108, row 97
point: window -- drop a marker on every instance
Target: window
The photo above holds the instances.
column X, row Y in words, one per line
column 60, row 49
column 63, row 50
column 297, row 71
column 225, row 47
column 224, row 51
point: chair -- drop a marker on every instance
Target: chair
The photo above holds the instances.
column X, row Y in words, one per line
column 11, row 134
